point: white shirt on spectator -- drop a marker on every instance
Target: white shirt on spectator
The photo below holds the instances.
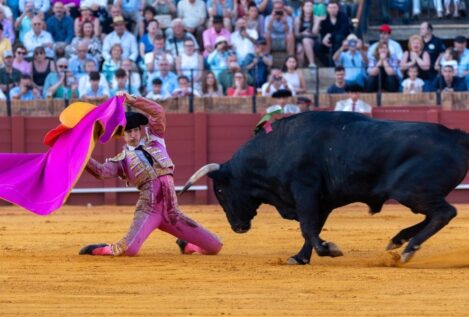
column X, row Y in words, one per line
column 242, row 45
column 31, row 41
column 394, row 48
column 84, row 85
column 6, row 11
column 89, row 3
column 39, row 5
column 413, row 86
column 272, row 89
column 127, row 41
column 151, row 58
column 192, row 14
column 348, row 105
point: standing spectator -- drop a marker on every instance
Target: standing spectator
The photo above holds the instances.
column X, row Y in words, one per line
column 9, row 76
column 223, row 8
column 8, row 31
column 254, row 20
column 432, row 44
column 168, row 78
column 193, row 14
column 42, row 6
column 112, row 64
column 24, row 23
column 131, row 9
column 339, row 85
column 240, row 86
column 293, row 75
column 94, row 45
column 95, row 92
column 175, row 42
column 259, row 64
column 146, row 40
column 42, row 66
column 122, row 83
column 242, row 41
column 306, row 30
column 279, row 30
column 61, row 84
column 276, row 82
column 59, row 25
column 456, row 6
column 412, row 84
column 333, row 29
column 353, row 103
column 5, row 44
column 385, row 67
column 210, row 86
column 385, row 37
column 157, row 92
column 134, row 81
column 76, row 64
column 84, row 81
column 25, row 90
column 415, row 55
column 159, row 52
column 190, row 63
column 211, row 34
column 86, row 15
column 217, row 60
column 353, row 58
column 19, row 62
column 120, row 35
column 184, row 88
column 37, row 37
column 448, row 81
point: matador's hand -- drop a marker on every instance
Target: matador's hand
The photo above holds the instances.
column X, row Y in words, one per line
column 128, row 98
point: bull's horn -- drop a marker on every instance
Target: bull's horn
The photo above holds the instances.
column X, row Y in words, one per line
column 199, row 174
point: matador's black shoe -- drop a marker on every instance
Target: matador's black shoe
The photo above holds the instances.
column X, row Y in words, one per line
column 90, row 248
column 182, row 245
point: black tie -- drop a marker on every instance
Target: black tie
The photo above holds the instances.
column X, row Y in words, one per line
column 146, row 154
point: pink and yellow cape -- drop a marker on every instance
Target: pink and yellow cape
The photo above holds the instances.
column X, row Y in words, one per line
column 41, row 182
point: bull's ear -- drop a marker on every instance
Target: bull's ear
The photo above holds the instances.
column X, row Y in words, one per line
column 220, row 176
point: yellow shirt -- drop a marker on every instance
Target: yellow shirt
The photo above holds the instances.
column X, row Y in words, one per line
column 5, row 45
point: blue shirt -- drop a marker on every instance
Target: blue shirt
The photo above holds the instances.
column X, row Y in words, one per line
column 77, row 66
column 354, row 67
column 29, row 95
column 170, row 82
column 61, row 30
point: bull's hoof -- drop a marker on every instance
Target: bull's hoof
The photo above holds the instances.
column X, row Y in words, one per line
column 295, row 260
column 330, row 249
column 391, row 246
column 407, row 255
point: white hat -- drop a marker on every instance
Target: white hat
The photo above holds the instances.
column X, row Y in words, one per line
column 220, row 39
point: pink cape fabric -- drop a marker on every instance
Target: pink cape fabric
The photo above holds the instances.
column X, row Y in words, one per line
column 41, row 182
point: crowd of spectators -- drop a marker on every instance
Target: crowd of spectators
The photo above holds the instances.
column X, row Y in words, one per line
column 91, row 49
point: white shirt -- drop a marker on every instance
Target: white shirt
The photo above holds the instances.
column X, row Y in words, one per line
column 127, row 41
column 413, row 85
column 273, row 89
column 31, row 41
column 89, row 3
column 192, row 14
column 84, row 84
column 39, row 5
column 242, row 45
column 347, row 105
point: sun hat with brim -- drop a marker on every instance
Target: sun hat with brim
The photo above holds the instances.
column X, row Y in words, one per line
column 220, row 39
column 135, row 120
column 118, row 20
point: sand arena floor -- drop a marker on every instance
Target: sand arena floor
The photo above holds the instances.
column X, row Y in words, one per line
column 42, row 275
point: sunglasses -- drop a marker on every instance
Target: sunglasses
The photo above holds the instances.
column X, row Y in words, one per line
column 40, row 53
column 20, row 52
column 62, row 66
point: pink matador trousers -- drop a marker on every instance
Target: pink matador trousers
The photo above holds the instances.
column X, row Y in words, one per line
column 157, row 207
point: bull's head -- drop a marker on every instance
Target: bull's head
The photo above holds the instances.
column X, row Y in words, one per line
column 240, row 208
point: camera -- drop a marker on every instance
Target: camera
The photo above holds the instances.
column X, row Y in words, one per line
column 279, row 13
column 352, row 43
column 29, row 87
column 277, row 78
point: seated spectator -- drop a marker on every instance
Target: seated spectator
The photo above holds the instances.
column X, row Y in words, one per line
column 303, row 103
column 385, row 37
column 413, row 84
column 259, row 63
column 164, row 8
column 113, row 63
column 210, row 86
column 240, row 86
column 225, row 78
column 242, row 41
column 217, row 60
column 184, row 88
column 333, row 29
column 123, row 37
column 190, row 63
column 448, row 56
column 149, row 14
column 159, row 52
column 76, row 64
column 9, row 76
column 8, row 31
column 415, row 55
column 222, row 8
column 382, row 65
column 20, row 63
column 84, row 81
column 353, row 103
column 39, row 6
column 24, row 23
column 168, row 78
column 432, row 44
column 353, row 58
column 25, row 90
column 193, row 14
column 122, row 84
column 41, row 66
column 146, row 40
column 306, row 31
column 339, row 86
column 134, row 81
column 211, row 34
column 175, row 41
column 37, row 37
column 448, row 81
column 86, row 15
column 5, row 44
column 279, row 30
column 254, row 20
column 462, row 53
column 106, row 20
column 276, row 82
column 157, row 93
column 93, row 43
column 95, row 92
column 61, row 84
column 60, row 25
column 293, row 75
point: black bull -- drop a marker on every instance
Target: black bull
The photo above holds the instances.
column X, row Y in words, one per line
column 314, row 162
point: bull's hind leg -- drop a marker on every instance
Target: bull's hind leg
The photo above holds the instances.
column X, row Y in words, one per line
column 439, row 215
column 405, row 235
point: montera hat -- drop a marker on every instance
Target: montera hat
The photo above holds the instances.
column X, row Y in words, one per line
column 135, row 120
